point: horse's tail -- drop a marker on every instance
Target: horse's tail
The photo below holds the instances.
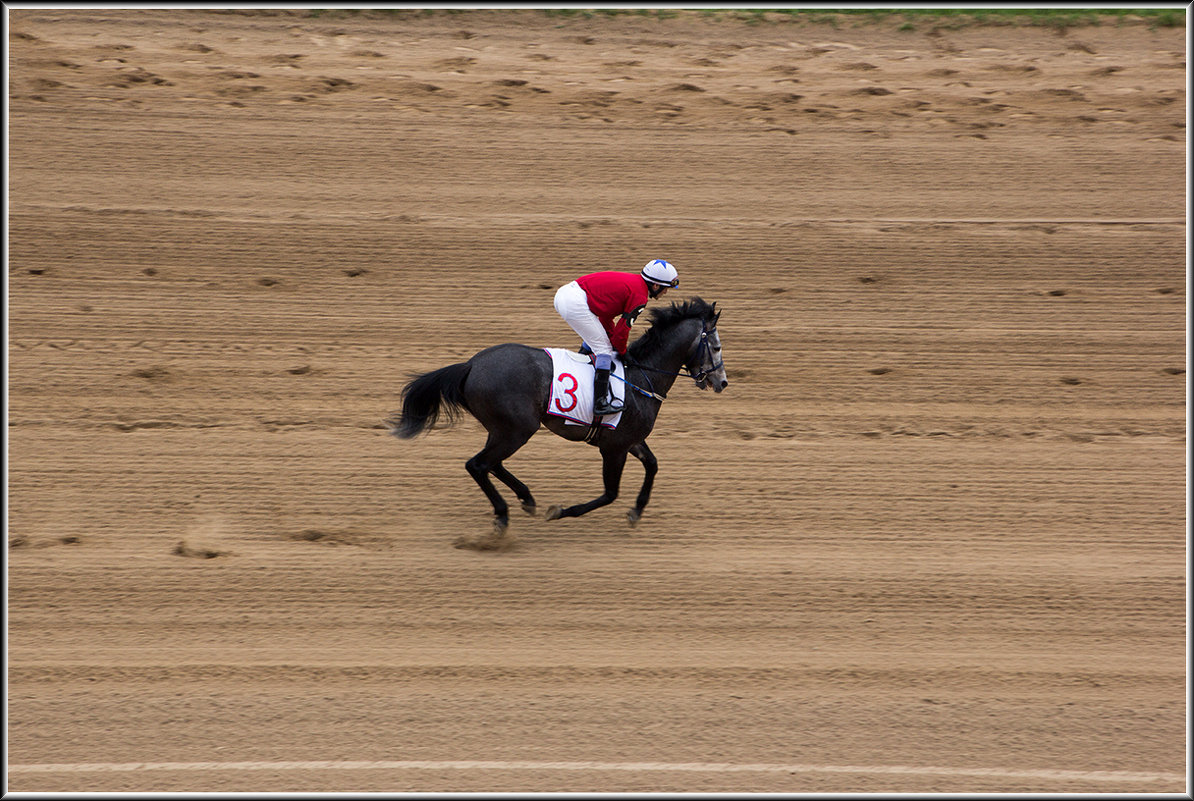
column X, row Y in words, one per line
column 423, row 397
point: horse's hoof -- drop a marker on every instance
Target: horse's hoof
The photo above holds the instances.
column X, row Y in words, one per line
column 530, row 509
column 500, row 524
column 554, row 513
column 633, row 516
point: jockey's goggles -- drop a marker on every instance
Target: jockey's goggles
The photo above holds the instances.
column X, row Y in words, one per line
column 675, row 282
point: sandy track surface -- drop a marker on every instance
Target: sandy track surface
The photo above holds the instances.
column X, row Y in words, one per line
column 932, row 533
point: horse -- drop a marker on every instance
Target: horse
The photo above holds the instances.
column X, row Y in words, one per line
column 507, row 388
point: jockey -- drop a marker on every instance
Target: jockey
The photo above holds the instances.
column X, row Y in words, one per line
column 602, row 307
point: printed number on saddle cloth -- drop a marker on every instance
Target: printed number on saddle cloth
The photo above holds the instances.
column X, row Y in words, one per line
column 568, row 394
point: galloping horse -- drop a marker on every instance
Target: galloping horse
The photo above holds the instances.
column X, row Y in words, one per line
column 507, row 387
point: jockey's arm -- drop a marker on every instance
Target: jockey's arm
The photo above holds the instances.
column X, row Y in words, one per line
column 620, row 335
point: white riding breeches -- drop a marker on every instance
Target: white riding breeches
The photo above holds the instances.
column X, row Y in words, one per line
column 573, row 305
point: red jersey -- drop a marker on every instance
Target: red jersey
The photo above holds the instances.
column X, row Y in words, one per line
column 616, row 299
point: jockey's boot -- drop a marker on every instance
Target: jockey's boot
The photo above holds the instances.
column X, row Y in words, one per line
column 603, row 404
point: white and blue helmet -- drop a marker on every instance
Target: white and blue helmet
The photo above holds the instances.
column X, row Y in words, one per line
column 658, row 271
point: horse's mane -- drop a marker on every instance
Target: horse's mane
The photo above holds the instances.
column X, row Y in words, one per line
column 664, row 318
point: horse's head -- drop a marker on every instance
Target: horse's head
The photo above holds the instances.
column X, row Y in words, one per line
column 705, row 363
column 687, row 333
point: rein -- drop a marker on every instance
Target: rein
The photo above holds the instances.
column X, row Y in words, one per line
column 657, row 396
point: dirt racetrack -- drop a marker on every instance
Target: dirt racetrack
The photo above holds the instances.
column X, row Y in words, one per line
column 932, row 537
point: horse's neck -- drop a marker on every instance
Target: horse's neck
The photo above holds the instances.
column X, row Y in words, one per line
column 670, row 358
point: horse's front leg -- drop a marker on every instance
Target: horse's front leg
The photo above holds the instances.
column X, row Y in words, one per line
column 651, row 466
column 612, row 463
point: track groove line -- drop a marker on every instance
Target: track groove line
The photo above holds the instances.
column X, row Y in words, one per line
column 689, row 767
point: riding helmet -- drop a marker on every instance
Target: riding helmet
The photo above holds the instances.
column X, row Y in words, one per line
column 658, row 271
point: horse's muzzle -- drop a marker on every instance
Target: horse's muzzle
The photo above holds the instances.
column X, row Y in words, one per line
column 718, row 387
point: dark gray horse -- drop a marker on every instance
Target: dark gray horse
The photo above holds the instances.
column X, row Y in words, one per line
column 507, row 387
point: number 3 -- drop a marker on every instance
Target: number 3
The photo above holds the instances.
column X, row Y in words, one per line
column 571, row 393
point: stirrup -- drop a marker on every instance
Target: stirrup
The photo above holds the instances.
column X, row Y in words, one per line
column 607, row 407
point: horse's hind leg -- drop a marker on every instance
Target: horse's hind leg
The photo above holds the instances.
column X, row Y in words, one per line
column 524, row 495
column 488, row 460
column 651, row 466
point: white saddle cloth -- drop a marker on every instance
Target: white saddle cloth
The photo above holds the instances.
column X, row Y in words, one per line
column 572, row 388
